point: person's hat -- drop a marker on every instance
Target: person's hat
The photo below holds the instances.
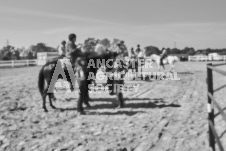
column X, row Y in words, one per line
column 63, row 42
column 71, row 36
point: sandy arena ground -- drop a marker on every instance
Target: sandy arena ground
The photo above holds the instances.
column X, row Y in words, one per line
column 162, row 115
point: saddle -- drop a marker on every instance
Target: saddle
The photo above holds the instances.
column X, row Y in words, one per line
column 64, row 62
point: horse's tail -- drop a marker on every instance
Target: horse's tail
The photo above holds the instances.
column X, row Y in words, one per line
column 41, row 80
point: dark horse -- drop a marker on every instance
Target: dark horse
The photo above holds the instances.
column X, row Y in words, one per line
column 79, row 61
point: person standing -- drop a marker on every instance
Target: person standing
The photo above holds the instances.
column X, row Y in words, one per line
column 71, row 46
column 62, row 49
column 162, row 56
column 138, row 50
column 100, row 48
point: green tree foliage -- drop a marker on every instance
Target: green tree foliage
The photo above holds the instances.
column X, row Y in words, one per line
column 149, row 50
column 188, row 50
column 6, row 52
column 89, row 44
column 174, row 51
column 106, row 42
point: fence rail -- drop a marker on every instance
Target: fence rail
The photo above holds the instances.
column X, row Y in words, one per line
column 16, row 63
column 207, row 58
column 211, row 103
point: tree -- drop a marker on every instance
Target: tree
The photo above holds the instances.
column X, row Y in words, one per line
column 6, row 52
column 174, row 51
column 40, row 47
column 149, row 50
column 15, row 54
column 114, row 44
column 189, row 51
column 89, row 44
column 106, row 42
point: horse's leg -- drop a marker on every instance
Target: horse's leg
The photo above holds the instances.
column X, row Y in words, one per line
column 82, row 85
column 159, row 67
column 44, row 94
column 172, row 69
column 50, row 100
column 136, row 70
column 163, row 67
column 50, row 95
column 86, row 97
column 119, row 96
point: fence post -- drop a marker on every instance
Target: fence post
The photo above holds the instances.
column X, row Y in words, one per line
column 210, row 106
column 27, row 62
column 188, row 58
column 12, row 63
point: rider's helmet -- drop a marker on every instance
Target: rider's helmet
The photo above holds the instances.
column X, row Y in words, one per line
column 63, row 42
column 71, row 36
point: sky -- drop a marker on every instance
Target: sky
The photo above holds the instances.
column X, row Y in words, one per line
column 163, row 23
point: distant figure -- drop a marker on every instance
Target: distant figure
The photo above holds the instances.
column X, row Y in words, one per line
column 99, row 48
column 71, row 46
column 132, row 53
column 163, row 55
column 65, row 52
column 62, row 49
column 121, row 48
column 138, row 50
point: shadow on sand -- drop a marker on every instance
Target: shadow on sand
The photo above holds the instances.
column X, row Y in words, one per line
column 130, row 103
column 185, row 73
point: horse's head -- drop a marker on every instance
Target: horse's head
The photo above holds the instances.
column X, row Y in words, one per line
column 153, row 57
column 176, row 59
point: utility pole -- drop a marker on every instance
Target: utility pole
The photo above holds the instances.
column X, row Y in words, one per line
column 175, row 44
column 7, row 42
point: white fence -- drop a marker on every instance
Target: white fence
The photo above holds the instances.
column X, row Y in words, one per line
column 42, row 57
column 17, row 63
column 206, row 58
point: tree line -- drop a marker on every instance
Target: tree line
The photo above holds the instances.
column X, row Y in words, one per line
column 11, row 53
column 186, row 51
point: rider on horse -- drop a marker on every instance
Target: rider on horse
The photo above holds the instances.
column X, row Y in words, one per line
column 62, row 49
column 65, row 52
column 138, row 50
column 163, row 55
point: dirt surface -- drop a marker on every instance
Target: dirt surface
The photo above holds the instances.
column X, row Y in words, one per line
column 162, row 115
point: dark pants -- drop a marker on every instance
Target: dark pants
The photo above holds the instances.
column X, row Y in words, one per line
column 161, row 59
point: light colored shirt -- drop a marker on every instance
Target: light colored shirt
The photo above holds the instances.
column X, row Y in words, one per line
column 164, row 52
column 61, row 50
column 100, row 49
column 131, row 53
column 70, row 48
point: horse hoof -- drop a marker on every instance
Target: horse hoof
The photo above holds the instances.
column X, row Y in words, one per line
column 62, row 110
column 53, row 107
column 120, row 106
column 88, row 105
column 81, row 113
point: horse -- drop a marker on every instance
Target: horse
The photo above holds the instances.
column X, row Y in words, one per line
column 45, row 77
column 171, row 60
column 47, row 72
